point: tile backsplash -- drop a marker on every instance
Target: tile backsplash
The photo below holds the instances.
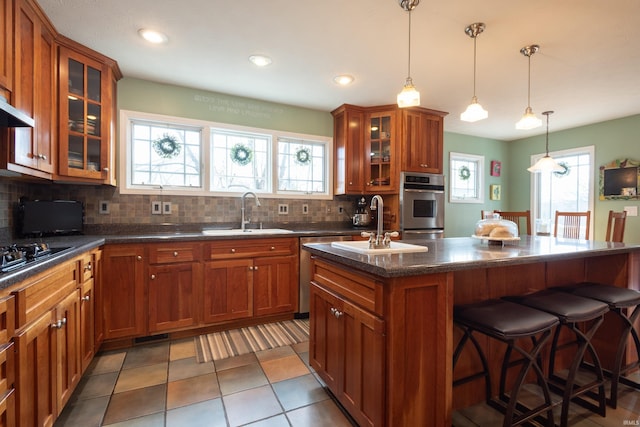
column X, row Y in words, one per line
column 127, row 209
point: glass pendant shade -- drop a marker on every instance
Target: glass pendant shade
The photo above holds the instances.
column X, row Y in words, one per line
column 546, row 164
column 409, row 96
column 528, row 120
column 474, row 112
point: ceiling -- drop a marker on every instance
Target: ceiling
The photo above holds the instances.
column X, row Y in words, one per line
column 587, row 69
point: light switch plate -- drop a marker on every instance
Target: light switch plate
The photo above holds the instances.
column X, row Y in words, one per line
column 166, row 208
column 283, row 209
column 103, row 207
column 156, row 208
column 631, row 210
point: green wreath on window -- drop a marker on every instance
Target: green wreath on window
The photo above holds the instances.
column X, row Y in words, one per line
column 303, row 156
column 167, row 146
column 464, row 173
column 564, row 171
column 241, row 154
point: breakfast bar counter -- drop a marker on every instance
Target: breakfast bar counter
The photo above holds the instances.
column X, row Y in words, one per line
column 382, row 332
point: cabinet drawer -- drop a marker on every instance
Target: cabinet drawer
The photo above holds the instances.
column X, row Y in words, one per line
column 7, row 319
column 251, row 248
column 6, row 368
column 169, row 254
column 39, row 294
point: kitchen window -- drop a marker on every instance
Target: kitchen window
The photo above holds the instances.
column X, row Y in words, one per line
column 466, row 178
column 172, row 155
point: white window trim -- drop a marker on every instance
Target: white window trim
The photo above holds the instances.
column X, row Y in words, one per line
column 479, row 177
column 125, row 167
column 535, row 182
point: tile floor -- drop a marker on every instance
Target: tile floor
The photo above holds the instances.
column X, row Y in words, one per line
column 161, row 384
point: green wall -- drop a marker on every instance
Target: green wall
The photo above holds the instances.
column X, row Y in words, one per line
column 150, row 97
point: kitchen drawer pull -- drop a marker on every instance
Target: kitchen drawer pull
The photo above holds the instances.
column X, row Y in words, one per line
column 273, row 248
column 233, row 251
column 337, row 313
column 86, row 298
column 59, row 324
column 175, row 254
column 88, row 267
column 153, row 277
column 139, row 258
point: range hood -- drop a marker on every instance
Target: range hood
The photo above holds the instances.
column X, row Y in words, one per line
column 10, row 117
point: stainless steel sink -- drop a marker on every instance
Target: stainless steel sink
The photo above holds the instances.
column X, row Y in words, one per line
column 362, row 246
column 247, row 232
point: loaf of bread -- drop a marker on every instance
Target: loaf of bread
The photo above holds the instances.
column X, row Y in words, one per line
column 485, row 229
column 500, row 231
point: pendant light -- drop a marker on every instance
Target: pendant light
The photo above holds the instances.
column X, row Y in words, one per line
column 546, row 163
column 409, row 96
column 474, row 111
column 529, row 119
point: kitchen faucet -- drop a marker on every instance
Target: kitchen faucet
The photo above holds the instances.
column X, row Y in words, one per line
column 380, row 239
column 244, row 222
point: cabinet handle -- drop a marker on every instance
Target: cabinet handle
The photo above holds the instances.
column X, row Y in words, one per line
column 86, row 298
column 424, row 165
column 88, row 267
column 337, row 313
column 273, row 248
column 153, row 277
column 59, row 324
column 139, row 258
column 233, row 251
column 175, row 254
column 105, row 169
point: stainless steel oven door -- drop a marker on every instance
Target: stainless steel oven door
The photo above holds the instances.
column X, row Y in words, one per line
column 422, row 209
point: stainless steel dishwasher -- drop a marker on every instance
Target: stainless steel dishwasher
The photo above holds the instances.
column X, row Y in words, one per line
column 305, row 269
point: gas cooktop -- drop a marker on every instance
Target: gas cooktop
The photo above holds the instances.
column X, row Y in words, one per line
column 15, row 256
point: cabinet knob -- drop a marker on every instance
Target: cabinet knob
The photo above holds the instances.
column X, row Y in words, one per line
column 175, row 254
column 273, row 248
column 105, row 169
column 337, row 313
column 139, row 258
column 86, row 298
column 88, row 267
column 233, row 251
column 59, row 324
column 153, row 277
column 424, row 165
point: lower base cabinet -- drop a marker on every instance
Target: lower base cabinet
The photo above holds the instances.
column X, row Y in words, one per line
column 347, row 350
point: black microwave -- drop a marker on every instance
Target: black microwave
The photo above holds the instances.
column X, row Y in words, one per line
column 50, row 217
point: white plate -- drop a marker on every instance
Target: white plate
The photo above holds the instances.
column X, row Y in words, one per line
column 495, row 239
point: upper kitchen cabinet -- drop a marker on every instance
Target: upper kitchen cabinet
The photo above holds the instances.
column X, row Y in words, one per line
column 380, row 152
column 33, row 151
column 6, row 48
column 348, row 131
column 422, row 140
column 374, row 144
column 87, row 110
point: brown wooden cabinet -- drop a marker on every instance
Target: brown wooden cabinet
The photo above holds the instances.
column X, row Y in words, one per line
column 227, row 292
column 274, row 285
column 6, row 48
column 66, row 325
column 87, row 340
column 347, row 345
column 174, row 274
column 422, row 140
column 34, row 92
column 86, row 114
column 7, row 362
column 372, row 145
column 123, row 299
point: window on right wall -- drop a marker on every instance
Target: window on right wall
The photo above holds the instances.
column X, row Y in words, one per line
column 466, row 180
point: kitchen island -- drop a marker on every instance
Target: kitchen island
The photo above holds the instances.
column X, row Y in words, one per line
column 382, row 332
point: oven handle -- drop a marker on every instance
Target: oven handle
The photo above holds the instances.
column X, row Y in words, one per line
column 411, row 190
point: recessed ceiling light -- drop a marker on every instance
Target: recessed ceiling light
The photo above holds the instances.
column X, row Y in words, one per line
column 260, row 60
column 153, row 36
column 343, row 79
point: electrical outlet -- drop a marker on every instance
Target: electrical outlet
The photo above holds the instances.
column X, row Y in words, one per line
column 156, row 208
column 328, row 209
column 103, row 207
column 340, row 210
column 305, row 209
column 631, row 210
column 283, row 209
column 166, row 208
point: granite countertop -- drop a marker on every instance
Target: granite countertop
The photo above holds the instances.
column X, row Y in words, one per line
column 460, row 253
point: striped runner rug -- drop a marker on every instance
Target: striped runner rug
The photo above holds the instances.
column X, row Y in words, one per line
column 220, row 345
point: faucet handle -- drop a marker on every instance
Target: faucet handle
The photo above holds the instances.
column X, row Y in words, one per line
column 366, row 234
column 391, row 234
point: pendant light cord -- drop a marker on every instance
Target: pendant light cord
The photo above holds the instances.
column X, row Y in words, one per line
column 529, row 87
column 474, row 65
column 409, row 61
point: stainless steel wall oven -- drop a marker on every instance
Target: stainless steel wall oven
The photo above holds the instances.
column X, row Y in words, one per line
column 421, row 205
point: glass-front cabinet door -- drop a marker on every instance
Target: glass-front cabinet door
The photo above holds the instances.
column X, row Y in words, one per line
column 85, row 117
column 380, row 146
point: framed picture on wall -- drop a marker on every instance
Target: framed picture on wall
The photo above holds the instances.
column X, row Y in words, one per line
column 495, row 167
column 494, row 191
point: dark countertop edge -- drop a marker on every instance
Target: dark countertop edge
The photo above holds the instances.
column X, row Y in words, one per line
column 363, row 262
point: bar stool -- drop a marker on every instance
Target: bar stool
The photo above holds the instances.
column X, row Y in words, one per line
column 508, row 323
column 620, row 301
column 572, row 310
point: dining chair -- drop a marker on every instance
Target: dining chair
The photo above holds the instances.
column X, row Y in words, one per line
column 615, row 226
column 518, row 217
column 572, row 224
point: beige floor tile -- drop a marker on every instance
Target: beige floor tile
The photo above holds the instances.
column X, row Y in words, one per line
column 149, row 354
column 298, row 392
column 96, row 386
column 301, row 347
column 192, row 390
column 277, row 421
column 321, row 414
column 106, row 362
column 182, row 349
column 136, row 403
column 86, row 413
column 275, row 353
column 189, row 367
column 234, row 362
column 284, row 368
column 241, row 378
column 153, row 420
column 203, row 414
column 141, row 377
column 251, row 405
